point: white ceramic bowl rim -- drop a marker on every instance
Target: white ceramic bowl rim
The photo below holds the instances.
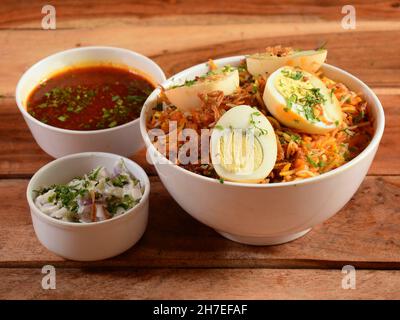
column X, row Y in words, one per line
column 380, row 124
column 141, row 203
column 55, row 55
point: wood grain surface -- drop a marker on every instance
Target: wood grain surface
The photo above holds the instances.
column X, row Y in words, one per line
column 178, row 257
column 365, row 233
column 200, row 284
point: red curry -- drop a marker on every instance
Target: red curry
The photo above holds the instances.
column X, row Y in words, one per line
column 89, row 98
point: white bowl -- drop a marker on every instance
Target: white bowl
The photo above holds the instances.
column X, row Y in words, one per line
column 123, row 140
column 271, row 213
column 88, row 241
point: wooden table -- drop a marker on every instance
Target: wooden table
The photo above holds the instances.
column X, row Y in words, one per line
column 179, row 257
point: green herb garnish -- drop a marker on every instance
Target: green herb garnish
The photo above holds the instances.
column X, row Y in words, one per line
column 296, row 75
column 114, row 203
column 254, row 123
column 63, row 118
column 189, row 83
column 242, row 68
column 320, row 164
column 112, row 124
column 158, row 107
column 359, row 117
column 120, row 181
column 94, row 173
column 312, row 98
column 135, row 98
column 227, row 68
column 292, row 99
column 295, row 138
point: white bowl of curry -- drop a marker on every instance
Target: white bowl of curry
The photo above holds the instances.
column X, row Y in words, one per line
column 87, row 99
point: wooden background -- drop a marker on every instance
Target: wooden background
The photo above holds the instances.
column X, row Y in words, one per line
column 178, row 257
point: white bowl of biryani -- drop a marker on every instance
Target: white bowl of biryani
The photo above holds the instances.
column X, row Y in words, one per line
column 87, row 99
column 89, row 206
column 309, row 177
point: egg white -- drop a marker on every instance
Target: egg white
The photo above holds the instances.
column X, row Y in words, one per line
column 250, row 167
column 309, row 60
column 293, row 116
column 186, row 97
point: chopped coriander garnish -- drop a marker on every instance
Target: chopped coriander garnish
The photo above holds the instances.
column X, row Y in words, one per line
column 120, row 181
column 292, row 99
column 242, row 68
column 62, row 118
column 295, row 137
column 312, row 98
column 359, row 117
column 83, row 99
column 209, row 73
column 227, row 68
column 189, row 83
column 94, row 173
column 296, row 75
column 95, row 196
column 320, row 164
column 112, row 124
column 135, row 98
column 348, row 131
column 106, row 113
column 126, row 203
column 254, row 123
column 158, row 107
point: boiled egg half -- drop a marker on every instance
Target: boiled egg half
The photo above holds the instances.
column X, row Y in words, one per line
column 309, row 60
column 300, row 100
column 186, row 96
column 243, row 145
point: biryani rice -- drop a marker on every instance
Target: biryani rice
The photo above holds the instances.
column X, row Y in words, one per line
column 300, row 155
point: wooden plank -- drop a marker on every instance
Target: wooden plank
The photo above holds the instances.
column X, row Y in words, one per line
column 176, row 47
column 387, row 160
column 199, row 284
column 21, row 157
column 167, row 262
column 346, row 50
column 28, row 13
column 365, row 233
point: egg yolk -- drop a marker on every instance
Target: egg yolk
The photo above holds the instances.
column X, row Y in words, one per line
column 300, row 94
column 288, row 84
column 240, row 151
